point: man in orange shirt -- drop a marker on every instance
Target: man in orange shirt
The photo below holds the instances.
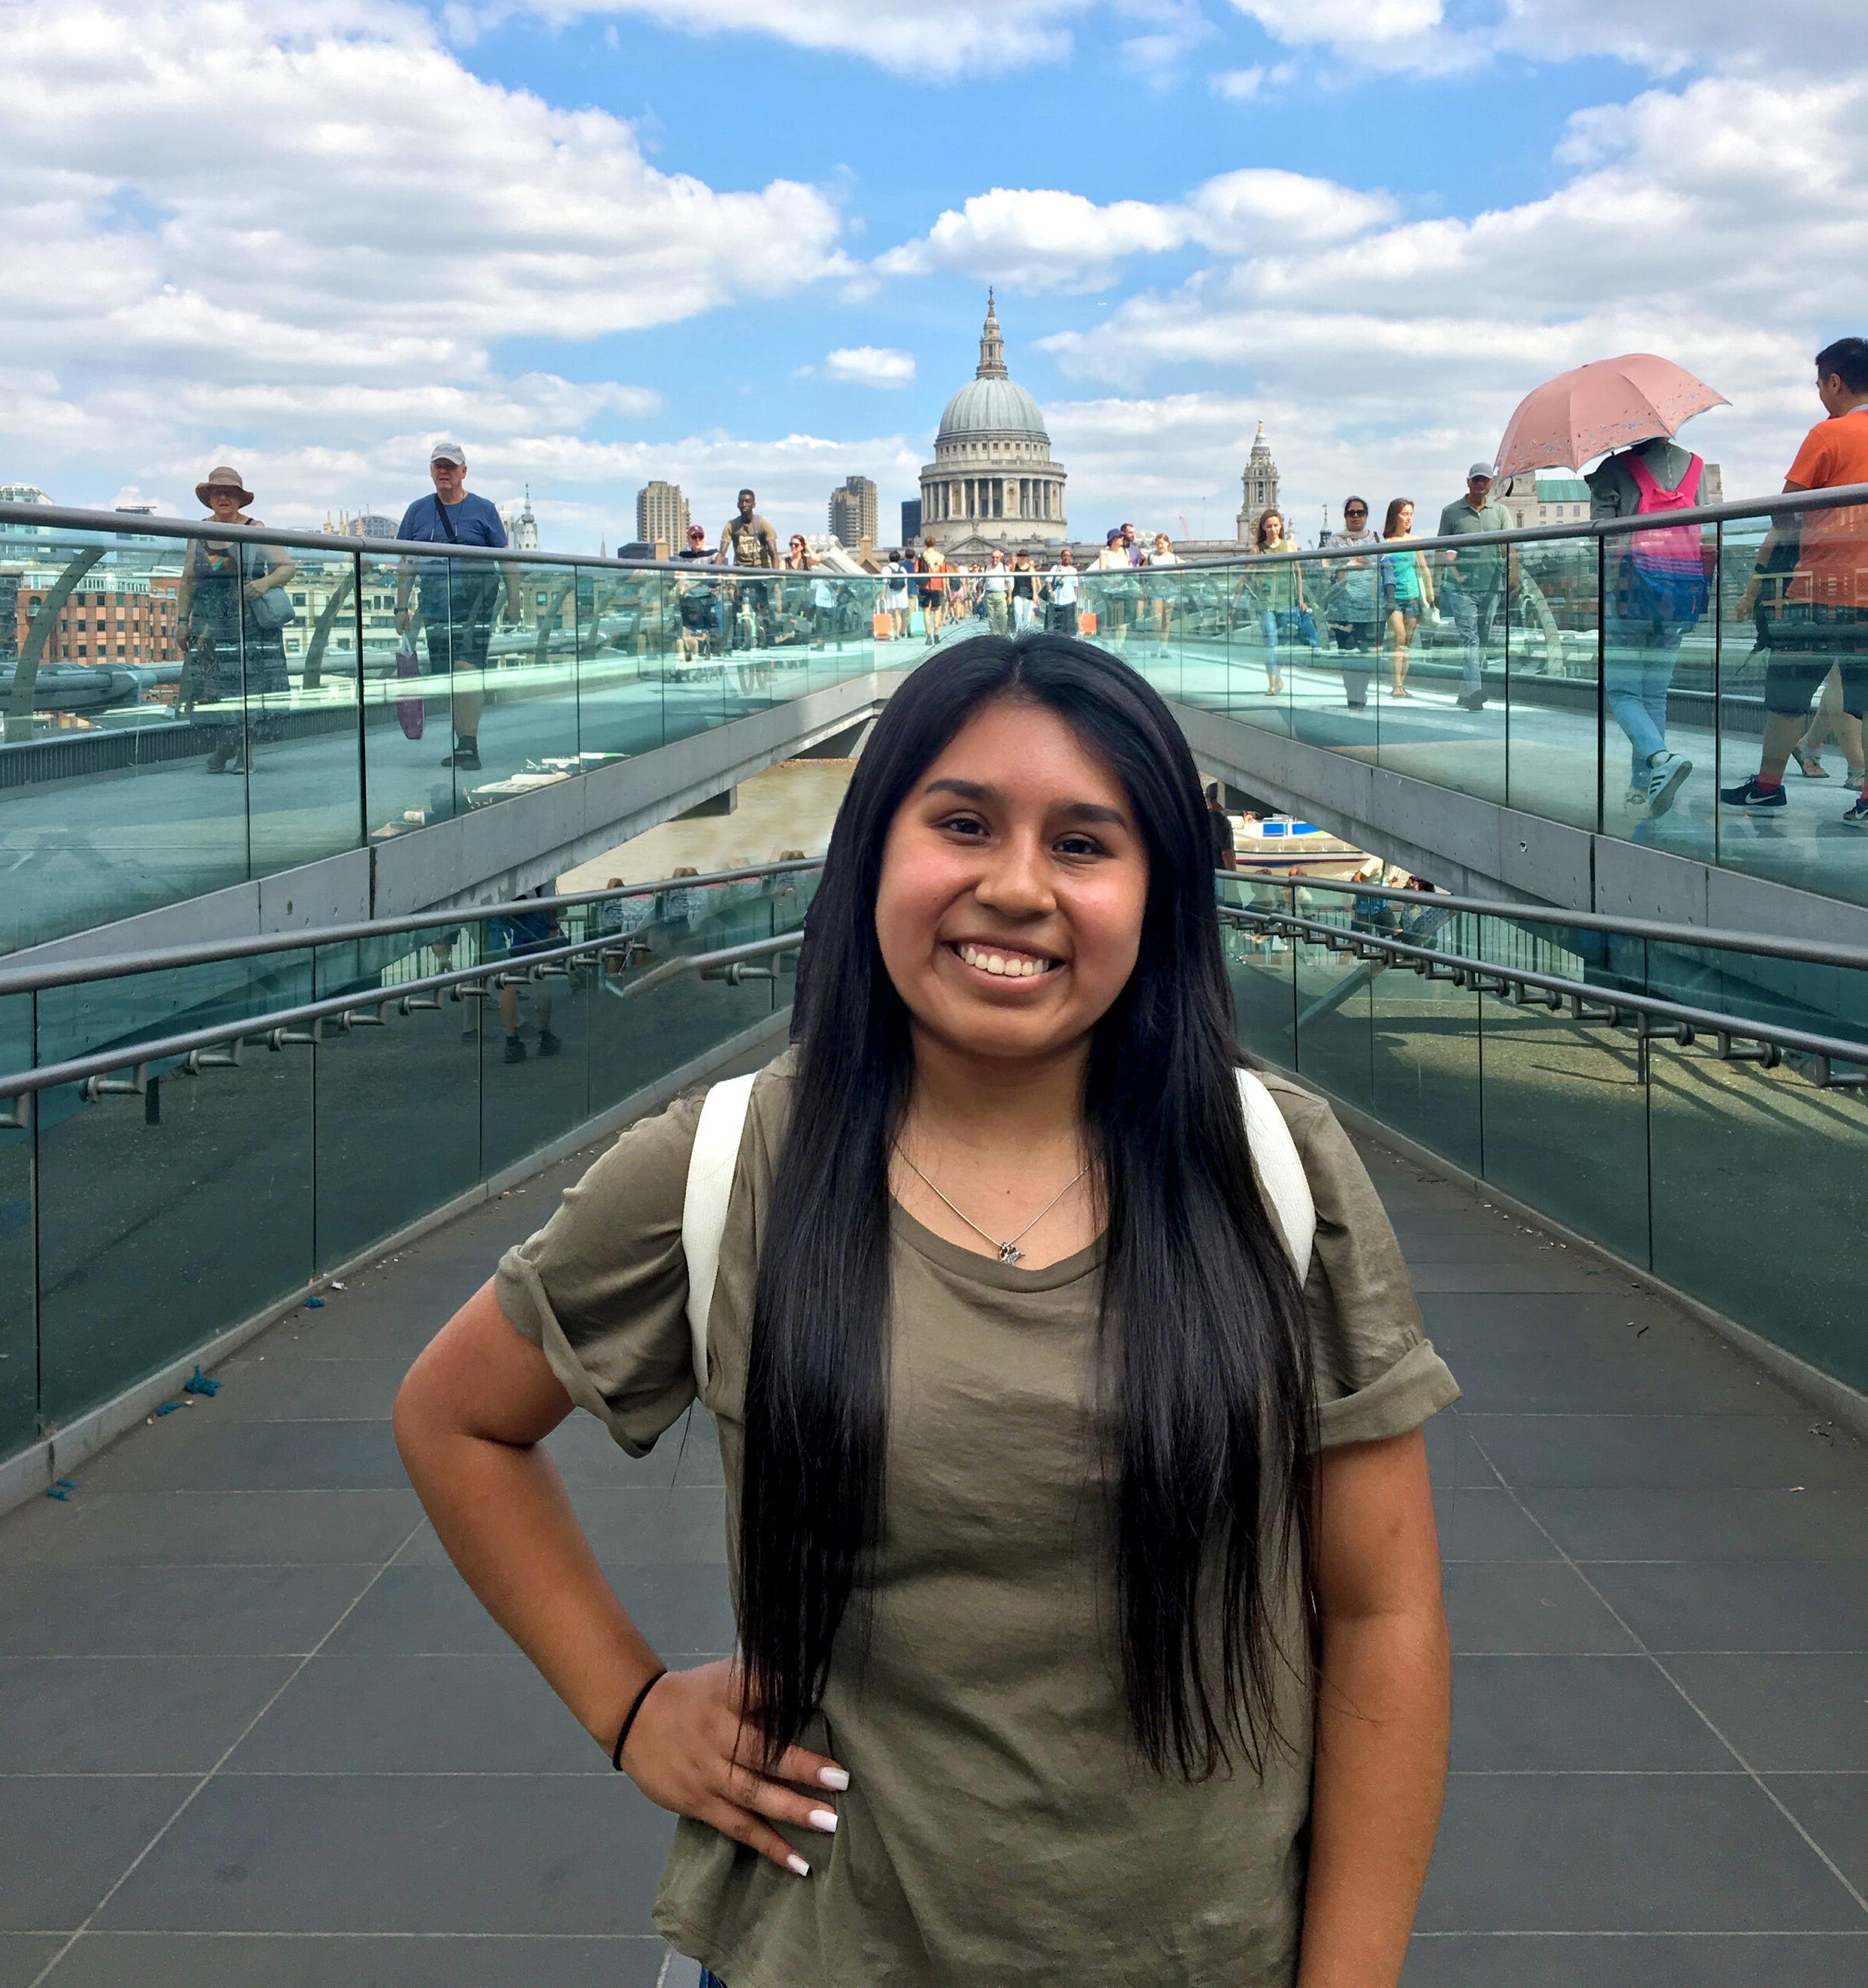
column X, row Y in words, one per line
column 1823, row 622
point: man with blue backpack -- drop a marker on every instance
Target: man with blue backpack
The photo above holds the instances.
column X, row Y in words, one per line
column 1657, row 591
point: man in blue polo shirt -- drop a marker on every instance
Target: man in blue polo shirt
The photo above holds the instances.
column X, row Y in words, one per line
column 455, row 597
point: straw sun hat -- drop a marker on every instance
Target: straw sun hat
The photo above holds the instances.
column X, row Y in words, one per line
column 224, row 478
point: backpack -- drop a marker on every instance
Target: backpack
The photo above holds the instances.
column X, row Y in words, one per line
column 715, row 1159
column 1664, row 574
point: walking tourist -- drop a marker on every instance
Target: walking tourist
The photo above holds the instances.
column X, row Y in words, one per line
column 1024, row 594
column 1115, row 592
column 1406, row 590
column 1162, row 591
column 1472, row 583
column 1823, row 622
column 455, row 599
column 1830, row 721
column 997, row 588
column 1351, row 603
column 748, row 541
column 1225, row 851
column 1063, row 589
column 515, row 935
column 1657, row 592
column 232, row 603
column 1070, row 1394
column 895, row 592
column 933, row 590
column 1276, row 593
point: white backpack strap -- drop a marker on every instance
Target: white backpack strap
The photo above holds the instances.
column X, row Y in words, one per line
column 703, row 1209
column 1274, row 1153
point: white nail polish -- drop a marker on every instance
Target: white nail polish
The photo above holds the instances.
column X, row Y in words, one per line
column 833, row 1778
column 799, row 1865
column 825, row 1819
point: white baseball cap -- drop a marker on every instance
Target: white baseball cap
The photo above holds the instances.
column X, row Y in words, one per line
column 1488, row 470
column 448, row 452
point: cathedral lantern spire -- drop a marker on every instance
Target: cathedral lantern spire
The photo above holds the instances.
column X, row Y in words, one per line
column 991, row 346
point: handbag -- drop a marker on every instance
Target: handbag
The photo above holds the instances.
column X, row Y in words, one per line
column 272, row 610
column 410, row 711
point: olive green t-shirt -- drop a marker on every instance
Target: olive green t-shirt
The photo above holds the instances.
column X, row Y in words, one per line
column 998, row 1828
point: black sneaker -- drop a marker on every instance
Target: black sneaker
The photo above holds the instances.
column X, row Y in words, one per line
column 548, row 1044
column 463, row 757
column 516, row 1050
column 1749, row 793
column 1857, row 816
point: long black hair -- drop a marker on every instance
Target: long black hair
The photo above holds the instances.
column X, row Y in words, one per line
column 1204, row 1345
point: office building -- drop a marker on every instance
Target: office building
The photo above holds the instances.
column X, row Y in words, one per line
column 853, row 513
column 662, row 516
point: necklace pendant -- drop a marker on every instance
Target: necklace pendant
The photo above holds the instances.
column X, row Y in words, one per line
column 1010, row 1253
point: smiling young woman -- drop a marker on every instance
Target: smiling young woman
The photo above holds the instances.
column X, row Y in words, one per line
column 1088, row 1603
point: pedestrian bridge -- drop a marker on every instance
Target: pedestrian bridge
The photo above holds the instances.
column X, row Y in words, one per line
column 612, row 702
column 253, row 1727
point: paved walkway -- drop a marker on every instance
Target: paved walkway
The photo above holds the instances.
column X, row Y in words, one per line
column 254, row 1729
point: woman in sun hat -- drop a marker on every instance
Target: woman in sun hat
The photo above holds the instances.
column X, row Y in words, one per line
column 233, row 644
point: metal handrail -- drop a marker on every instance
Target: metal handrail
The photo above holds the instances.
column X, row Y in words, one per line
column 117, row 966
column 72, row 518
column 302, row 1024
column 1808, row 952
column 1738, row 1041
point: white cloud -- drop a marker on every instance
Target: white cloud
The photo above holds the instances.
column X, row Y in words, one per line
column 961, row 38
column 1046, row 239
column 367, row 210
column 1717, row 224
column 1345, row 23
column 1238, row 85
column 870, row 366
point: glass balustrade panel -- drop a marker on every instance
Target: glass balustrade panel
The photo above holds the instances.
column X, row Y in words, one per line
column 1331, row 704
column 298, row 655
column 19, row 1304
column 1551, row 655
column 625, row 664
column 120, row 691
column 534, row 1035
column 1792, row 678
column 1401, row 693
column 172, row 1213
column 1333, row 1031
column 513, row 682
column 1425, row 1064
column 400, row 606
column 1260, row 966
column 1757, row 1194
column 397, row 1105
column 1454, row 734
column 1564, row 1118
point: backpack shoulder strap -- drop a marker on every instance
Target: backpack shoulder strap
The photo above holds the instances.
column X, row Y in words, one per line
column 1280, row 1169
column 703, row 1209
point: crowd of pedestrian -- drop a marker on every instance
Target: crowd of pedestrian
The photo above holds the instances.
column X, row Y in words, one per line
column 1354, row 615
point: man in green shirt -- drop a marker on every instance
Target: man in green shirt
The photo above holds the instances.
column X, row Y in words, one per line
column 1472, row 584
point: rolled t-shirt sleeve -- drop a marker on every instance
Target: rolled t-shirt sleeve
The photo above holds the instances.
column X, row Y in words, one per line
column 602, row 1289
column 1377, row 1375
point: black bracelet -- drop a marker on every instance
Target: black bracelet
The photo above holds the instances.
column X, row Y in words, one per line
column 628, row 1719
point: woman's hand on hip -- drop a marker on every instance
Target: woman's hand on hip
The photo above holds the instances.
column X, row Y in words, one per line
column 692, row 1752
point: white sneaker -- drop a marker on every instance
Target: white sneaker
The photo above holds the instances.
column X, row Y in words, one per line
column 1668, row 772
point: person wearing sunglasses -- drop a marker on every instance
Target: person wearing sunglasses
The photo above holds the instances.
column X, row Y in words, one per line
column 1351, row 608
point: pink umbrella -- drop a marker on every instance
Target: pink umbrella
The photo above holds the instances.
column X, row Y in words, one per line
column 1606, row 404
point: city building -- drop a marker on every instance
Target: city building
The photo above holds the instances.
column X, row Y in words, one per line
column 361, row 524
column 661, row 516
column 522, row 527
column 992, row 480
column 854, row 516
column 910, row 521
column 1261, row 481
column 107, row 617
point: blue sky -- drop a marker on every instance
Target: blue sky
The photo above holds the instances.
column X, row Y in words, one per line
column 602, row 240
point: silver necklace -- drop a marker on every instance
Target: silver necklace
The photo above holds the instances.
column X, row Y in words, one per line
column 1009, row 1252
